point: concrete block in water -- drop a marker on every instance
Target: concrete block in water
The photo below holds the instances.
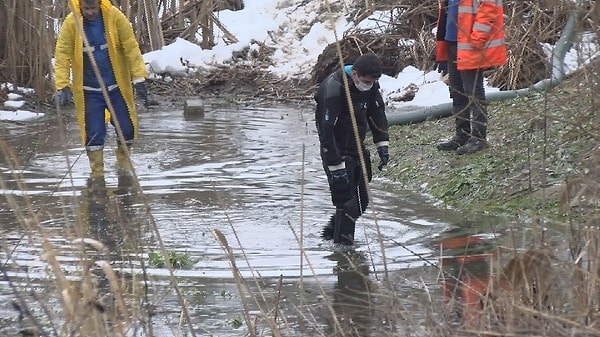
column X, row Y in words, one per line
column 194, row 107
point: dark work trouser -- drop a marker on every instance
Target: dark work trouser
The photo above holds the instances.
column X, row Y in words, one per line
column 468, row 98
column 350, row 201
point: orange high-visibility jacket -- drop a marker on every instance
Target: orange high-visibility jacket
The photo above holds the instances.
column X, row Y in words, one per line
column 123, row 50
column 480, row 26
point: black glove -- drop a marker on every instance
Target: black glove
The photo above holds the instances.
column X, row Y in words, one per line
column 63, row 96
column 384, row 156
column 341, row 187
column 142, row 93
column 339, row 177
column 441, row 67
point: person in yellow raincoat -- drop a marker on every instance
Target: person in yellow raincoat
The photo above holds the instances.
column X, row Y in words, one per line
column 97, row 53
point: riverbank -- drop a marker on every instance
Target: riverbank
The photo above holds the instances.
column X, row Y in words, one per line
column 541, row 163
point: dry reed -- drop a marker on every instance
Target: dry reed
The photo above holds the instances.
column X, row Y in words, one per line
column 29, row 30
column 570, row 307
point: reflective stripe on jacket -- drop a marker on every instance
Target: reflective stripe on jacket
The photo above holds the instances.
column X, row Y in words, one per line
column 481, row 41
column 123, row 50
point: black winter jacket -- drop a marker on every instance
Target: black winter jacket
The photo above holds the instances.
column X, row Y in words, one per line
column 333, row 118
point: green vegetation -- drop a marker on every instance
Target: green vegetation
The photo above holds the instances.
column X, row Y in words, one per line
column 538, row 144
column 237, row 322
column 177, row 260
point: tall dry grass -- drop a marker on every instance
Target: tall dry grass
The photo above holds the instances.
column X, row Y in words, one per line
column 510, row 305
column 26, row 43
column 409, row 40
column 29, row 30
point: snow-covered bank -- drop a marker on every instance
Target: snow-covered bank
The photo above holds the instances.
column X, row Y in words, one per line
column 298, row 34
column 298, row 31
column 15, row 100
column 295, row 33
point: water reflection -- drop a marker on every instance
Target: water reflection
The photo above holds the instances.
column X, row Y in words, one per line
column 94, row 212
column 352, row 296
column 251, row 173
column 465, row 263
column 111, row 215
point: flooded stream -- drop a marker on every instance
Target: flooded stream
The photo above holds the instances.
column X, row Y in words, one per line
column 252, row 173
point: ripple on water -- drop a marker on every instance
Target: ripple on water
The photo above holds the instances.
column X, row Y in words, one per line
column 238, row 171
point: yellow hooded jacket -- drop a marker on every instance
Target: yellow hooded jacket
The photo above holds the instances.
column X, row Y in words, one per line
column 123, row 50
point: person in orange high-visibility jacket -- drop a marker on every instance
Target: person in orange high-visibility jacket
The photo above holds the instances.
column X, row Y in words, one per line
column 109, row 59
column 469, row 40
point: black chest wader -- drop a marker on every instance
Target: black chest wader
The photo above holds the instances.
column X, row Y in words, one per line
column 351, row 201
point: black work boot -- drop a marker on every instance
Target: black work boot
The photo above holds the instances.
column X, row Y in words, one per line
column 452, row 144
column 473, row 145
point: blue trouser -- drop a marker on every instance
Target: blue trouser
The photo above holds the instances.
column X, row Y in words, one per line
column 95, row 124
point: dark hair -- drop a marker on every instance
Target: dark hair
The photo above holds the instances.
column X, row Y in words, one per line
column 367, row 65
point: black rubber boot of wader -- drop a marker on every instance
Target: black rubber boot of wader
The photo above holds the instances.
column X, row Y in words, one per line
column 327, row 232
column 462, row 127
column 343, row 232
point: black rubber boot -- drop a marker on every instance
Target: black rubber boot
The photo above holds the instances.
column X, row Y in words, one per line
column 477, row 141
column 328, row 229
column 343, row 232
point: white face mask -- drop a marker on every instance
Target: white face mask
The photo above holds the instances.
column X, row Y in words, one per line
column 363, row 86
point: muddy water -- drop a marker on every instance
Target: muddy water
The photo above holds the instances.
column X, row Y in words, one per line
column 252, row 173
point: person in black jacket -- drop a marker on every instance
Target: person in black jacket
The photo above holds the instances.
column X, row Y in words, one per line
column 340, row 121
